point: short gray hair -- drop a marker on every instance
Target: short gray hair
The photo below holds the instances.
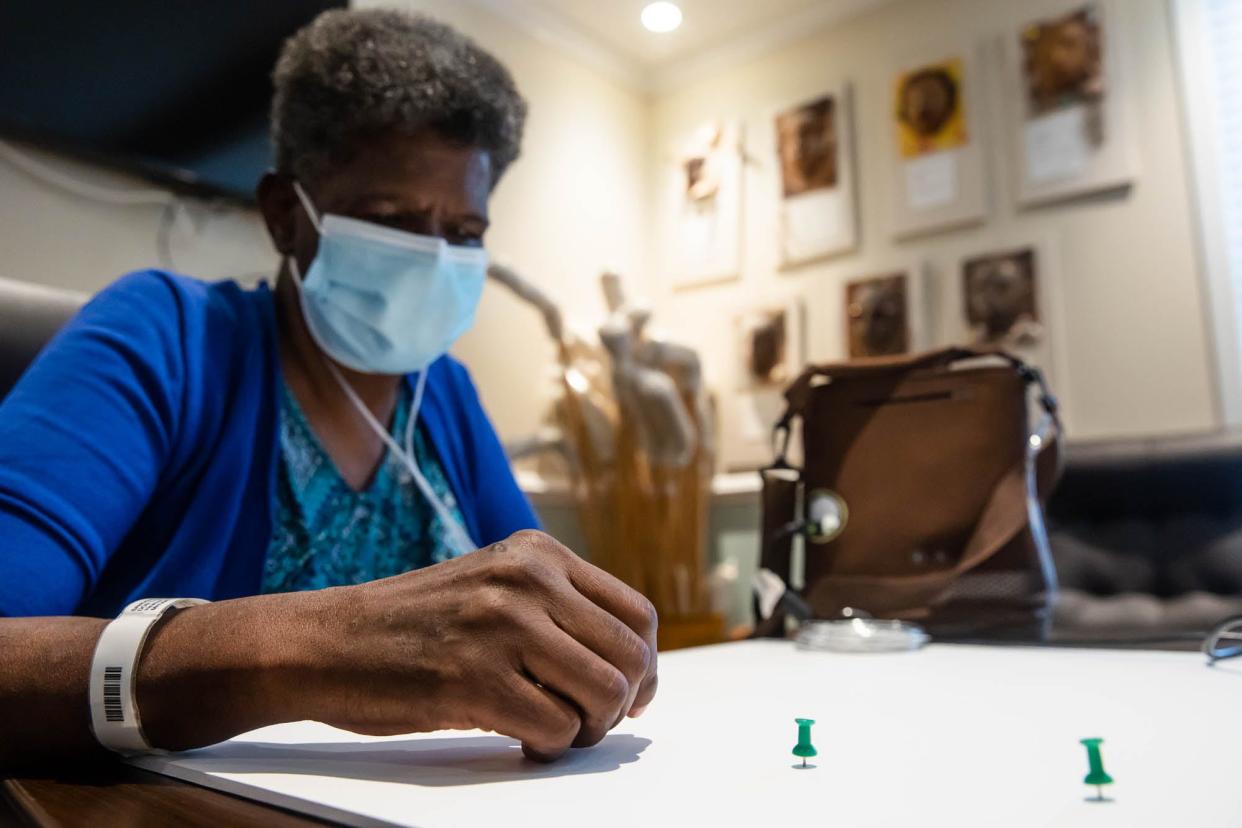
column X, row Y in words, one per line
column 354, row 72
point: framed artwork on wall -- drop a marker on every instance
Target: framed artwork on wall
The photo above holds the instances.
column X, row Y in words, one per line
column 937, row 144
column 770, row 351
column 1070, row 111
column 1000, row 298
column 1009, row 296
column 771, row 346
column 818, row 215
column 705, row 191
column 885, row 314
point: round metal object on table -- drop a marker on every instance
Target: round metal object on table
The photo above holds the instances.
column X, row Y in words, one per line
column 861, row 635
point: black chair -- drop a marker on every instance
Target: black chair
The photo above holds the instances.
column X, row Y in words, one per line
column 29, row 316
column 1147, row 537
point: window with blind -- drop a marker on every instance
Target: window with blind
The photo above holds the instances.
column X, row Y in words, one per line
column 1209, row 34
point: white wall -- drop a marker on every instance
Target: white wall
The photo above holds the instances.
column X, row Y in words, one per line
column 571, row 206
column 50, row 236
column 583, row 197
column 1133, row 326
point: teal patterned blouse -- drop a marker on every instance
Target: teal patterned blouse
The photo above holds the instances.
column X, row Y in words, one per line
column 326, row 534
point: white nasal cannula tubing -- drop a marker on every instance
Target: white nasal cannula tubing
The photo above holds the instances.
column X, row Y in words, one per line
column 458, row 535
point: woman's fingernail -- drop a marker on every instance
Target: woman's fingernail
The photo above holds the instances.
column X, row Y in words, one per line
column 635, row 712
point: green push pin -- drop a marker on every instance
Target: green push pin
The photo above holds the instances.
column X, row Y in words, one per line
column 1096, row 775
column 804, row 748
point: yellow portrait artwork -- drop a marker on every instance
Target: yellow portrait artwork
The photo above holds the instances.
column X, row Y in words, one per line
column 929, row 109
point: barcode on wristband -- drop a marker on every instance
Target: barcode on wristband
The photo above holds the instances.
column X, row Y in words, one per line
column 113, row 711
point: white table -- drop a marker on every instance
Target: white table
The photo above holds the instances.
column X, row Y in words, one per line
column 951, row 735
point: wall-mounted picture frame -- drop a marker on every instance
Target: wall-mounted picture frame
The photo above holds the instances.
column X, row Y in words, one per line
column 770, row 345
column 1001, row 298
column 937, row 141
column 1070, row 111
column 1009, row 295
column 818, row 209
column 886, row 313
column 704, row 242
column 770, row 350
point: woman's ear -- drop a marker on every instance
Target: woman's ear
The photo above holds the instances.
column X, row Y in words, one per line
column 279, row 205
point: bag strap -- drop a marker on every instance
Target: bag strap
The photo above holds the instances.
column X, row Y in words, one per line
column 1003, row 518
column 797, row 394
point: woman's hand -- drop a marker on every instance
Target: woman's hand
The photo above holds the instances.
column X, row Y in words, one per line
column 523, row 638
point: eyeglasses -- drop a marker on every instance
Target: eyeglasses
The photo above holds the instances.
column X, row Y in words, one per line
column 1225, row 640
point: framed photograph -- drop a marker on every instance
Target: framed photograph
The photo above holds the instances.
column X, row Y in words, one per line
column 884, row 315
column 705, row 193
column 929, row 108
column 1009, row 296
column 814, row 146
column 771, row 346
column 1070, row 111
column 770, row 352
column 937, row 180
column 1000, row 298
column 1063, row 61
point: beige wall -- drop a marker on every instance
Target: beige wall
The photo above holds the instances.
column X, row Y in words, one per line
column 571, row 206
column 1133, row 327
column 583, row 197
column 50, row 236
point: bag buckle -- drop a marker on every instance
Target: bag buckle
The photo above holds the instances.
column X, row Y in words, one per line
column 826, row 515
column 780, row 444
column 1034, row 376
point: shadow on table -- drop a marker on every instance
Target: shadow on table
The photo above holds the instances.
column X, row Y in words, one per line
column 438, row 762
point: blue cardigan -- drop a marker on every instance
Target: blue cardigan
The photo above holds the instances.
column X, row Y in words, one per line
column 138, row 454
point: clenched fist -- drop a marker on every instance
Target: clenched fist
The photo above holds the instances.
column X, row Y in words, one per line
column 523, row 638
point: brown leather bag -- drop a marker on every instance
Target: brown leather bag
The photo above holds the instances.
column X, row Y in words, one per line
column 920, row 495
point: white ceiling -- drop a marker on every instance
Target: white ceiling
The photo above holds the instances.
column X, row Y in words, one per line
column 706, row 24
column 713, row 33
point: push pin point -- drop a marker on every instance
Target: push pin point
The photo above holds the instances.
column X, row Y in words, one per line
column 1095, row 774
column 804, row 749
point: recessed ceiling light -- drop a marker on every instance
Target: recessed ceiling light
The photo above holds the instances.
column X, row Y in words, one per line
column 661, row 16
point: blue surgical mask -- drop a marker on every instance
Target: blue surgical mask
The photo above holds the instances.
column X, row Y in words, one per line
column 384, row 301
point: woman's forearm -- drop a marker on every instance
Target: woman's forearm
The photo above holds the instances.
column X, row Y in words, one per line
column 45, row 666
column 206, row 674
column 522, row 638
column 220, row 669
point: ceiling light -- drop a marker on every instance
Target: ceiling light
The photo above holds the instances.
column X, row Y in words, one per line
column 661, row 16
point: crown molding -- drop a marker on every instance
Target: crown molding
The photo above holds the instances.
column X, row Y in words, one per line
column 764, row 40
column 553, row 30
column 665, row 76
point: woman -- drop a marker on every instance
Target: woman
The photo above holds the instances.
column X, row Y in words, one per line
column 277, row 452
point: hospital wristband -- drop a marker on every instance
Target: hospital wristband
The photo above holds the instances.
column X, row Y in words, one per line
column 114, row 708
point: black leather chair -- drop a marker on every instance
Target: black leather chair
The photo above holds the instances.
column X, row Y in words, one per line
column 29, row 316
column 1147, row 537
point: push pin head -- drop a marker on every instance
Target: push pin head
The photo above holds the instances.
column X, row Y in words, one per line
column 1095, row 771
column 804, row 749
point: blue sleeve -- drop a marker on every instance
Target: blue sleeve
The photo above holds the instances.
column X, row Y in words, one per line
column 501, row 508
column 84, row 437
